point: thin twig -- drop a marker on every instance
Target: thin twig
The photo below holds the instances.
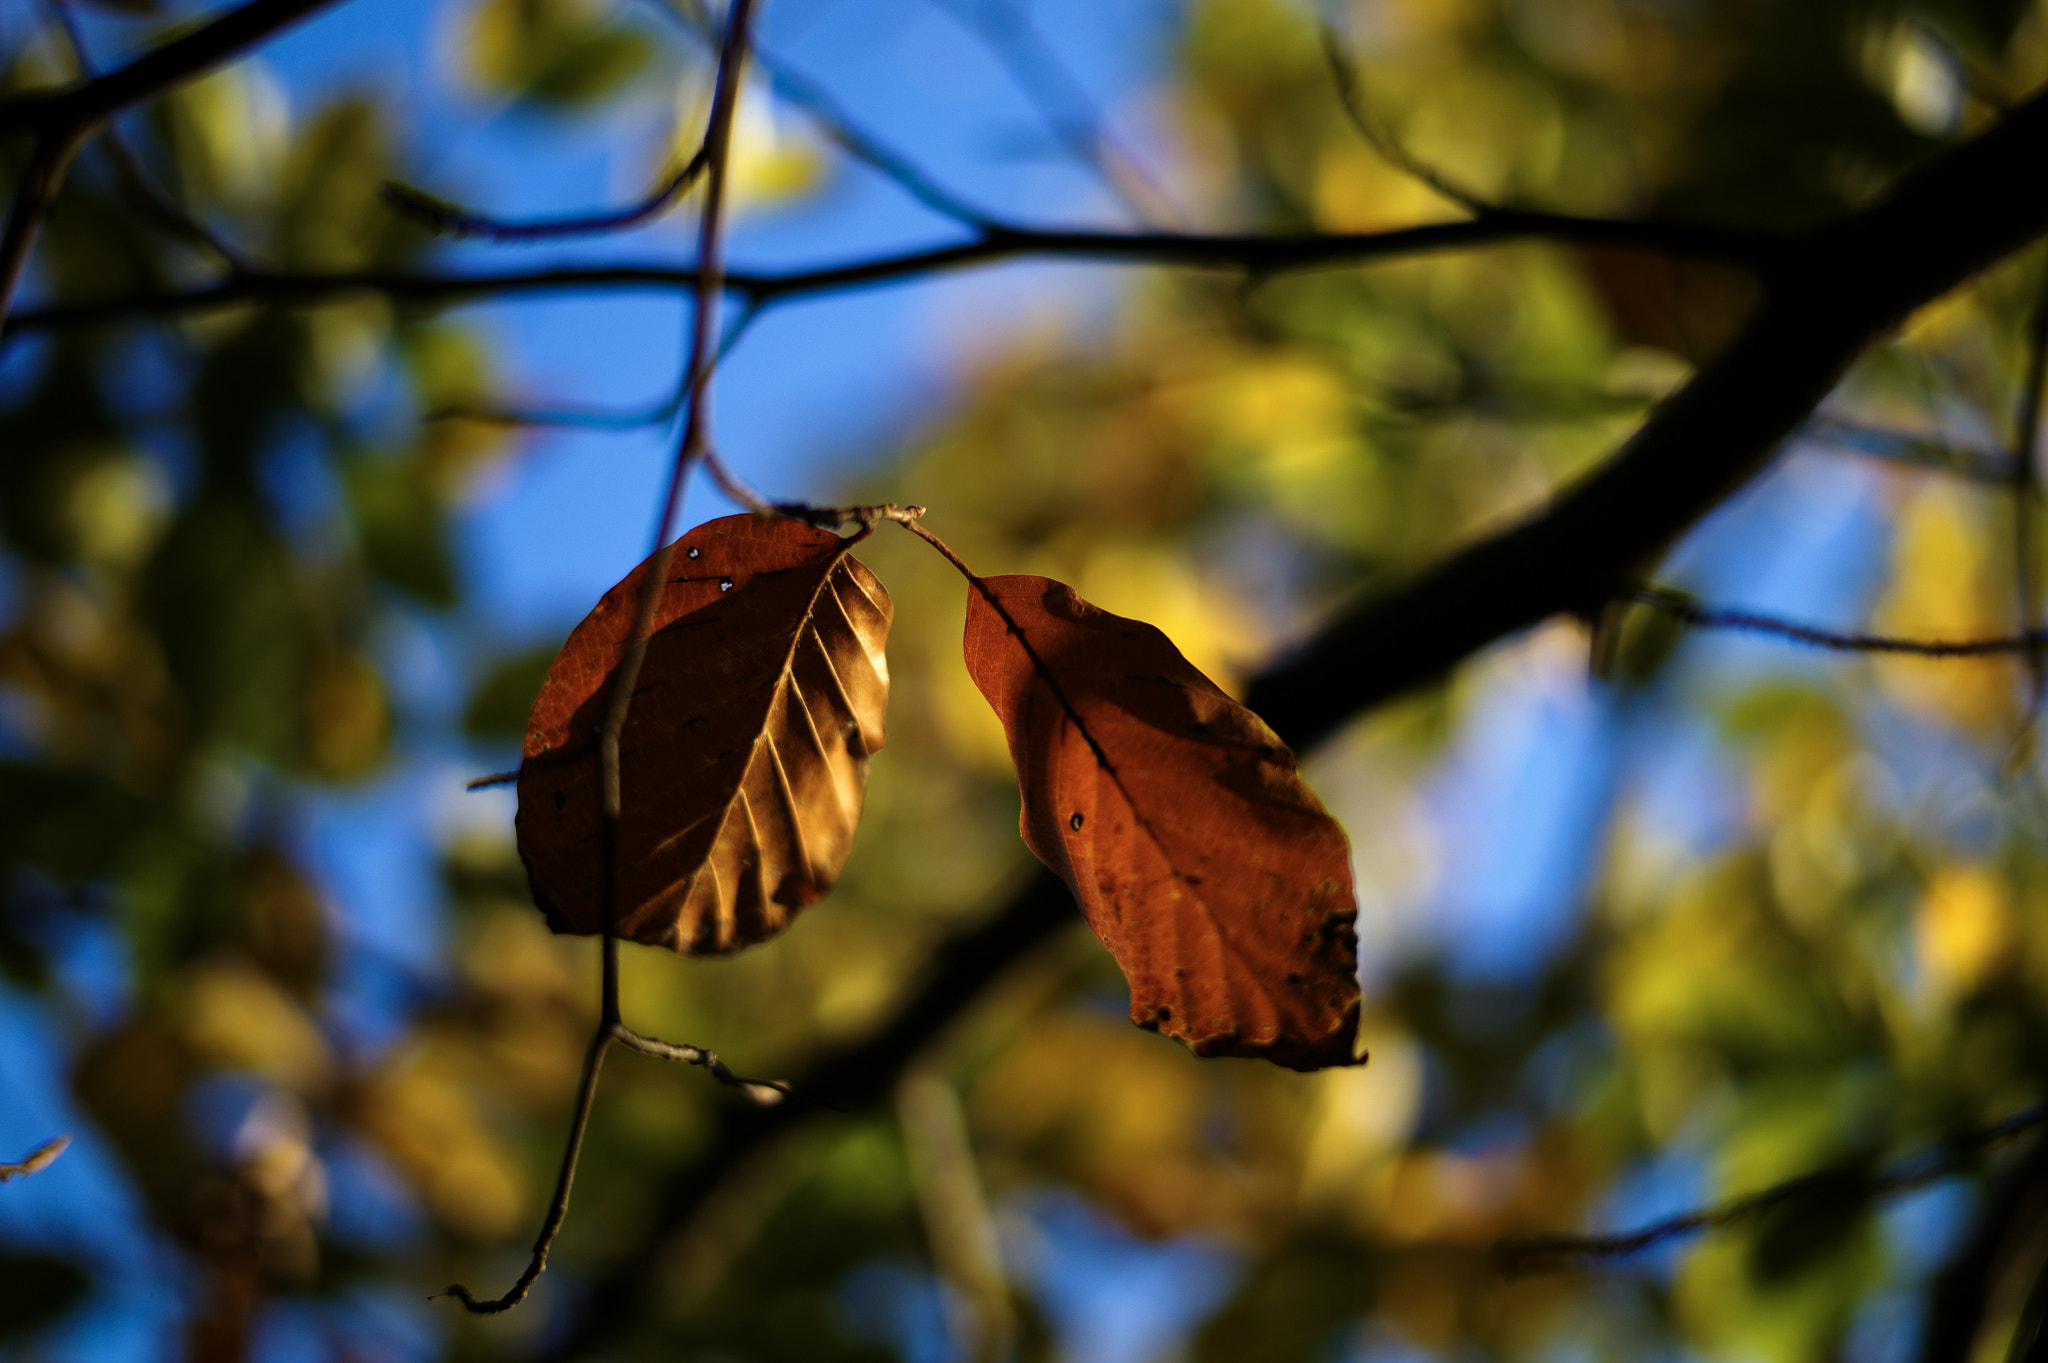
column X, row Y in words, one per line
column 830, row 118
column 141, row 190
column 558, row 1206
column 600, row 418
column 36, row 1160
column 696, row 435
column 75, row 108
column 1855, row 1180
column 1684, row 609
column 1062, row 102
column 1985, row 465
column 2026, row 437
column 1344, row 74
column 762, row 1092
column 32, row 200
column 446, row 219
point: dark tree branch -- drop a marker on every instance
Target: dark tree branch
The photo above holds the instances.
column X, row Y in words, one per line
column 1254, row 253
column 73, row 108
column 135, row 182
column 62, row 120
column 1856, row 1181
column 32, row 200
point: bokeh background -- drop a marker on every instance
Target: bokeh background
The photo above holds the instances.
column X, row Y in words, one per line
column 275, row 582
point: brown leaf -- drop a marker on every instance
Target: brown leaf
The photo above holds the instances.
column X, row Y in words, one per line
column 745, row 755
column 1180, row 822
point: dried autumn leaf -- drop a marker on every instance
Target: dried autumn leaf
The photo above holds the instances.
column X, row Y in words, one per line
column 1179, row 820
column 744, row 758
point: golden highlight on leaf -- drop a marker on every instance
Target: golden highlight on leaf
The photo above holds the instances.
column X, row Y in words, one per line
column 1179, row 820
column 744, row 759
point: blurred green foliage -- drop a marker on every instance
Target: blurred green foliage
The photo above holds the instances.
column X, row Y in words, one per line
column 1838, row 956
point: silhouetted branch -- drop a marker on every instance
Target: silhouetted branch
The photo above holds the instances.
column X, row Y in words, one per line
column 558, row 1205
column 1683, row 608
column 445, row 219
column 2026, row 438
column 86, row 103
column 1062, row 103
column 141, row 191
column 1849, row 1181
column 830, row 118
column 1259, row 254
column 1344, row 75
column 61, row 120
column 1986, row 465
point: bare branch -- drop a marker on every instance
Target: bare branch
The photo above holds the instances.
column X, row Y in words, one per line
column 558, row 1206
column 1344, row 74
column 62, row 120
column 1260, row 254
column 1988, row 465
column 763, row 1092
column 2026, row 437
column 1036, row 69
column 831, row 119
column 141, row 191
column 32, row 200
column 80, row 106
column 1683, row 608
column 1855, row 1181
column 446, row 219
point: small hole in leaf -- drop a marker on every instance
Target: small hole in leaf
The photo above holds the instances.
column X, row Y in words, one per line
column 1076, row 822
column 725, row 584
column 695, row 552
